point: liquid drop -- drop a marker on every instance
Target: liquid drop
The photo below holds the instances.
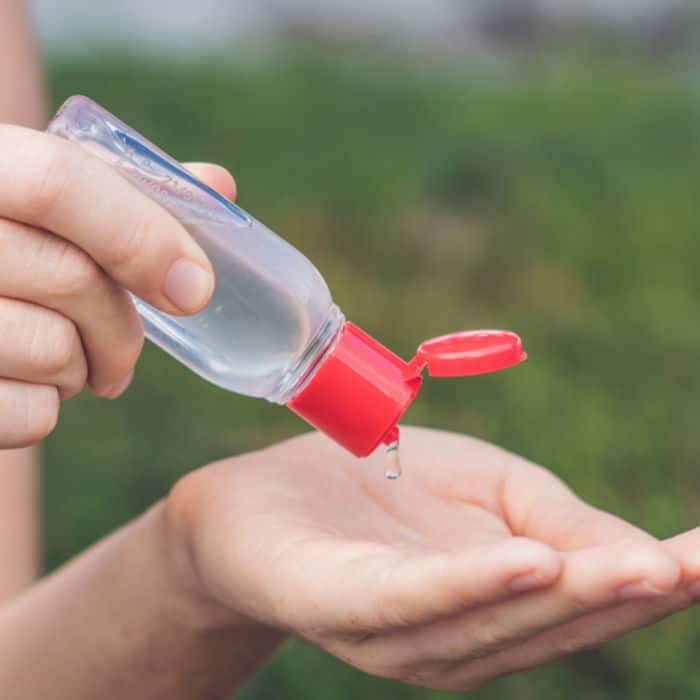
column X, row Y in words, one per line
column 392, row 468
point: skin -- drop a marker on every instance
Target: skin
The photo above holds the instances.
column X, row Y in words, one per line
column 22, row 101
column 475, row 564
column 19, row 522
column 68, row 320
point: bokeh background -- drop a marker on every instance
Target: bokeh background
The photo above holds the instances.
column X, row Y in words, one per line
column 523, row 164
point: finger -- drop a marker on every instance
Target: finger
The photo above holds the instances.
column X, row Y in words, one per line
column 599, row 627
column 46, row 270
column 686, row 549
column 586, row 633
column 376, row 590
column 592, row 580
column 216, row 177
column 28, row 413
column 55, row 185
column 41, row 347
column 531, row 500
column 540, row 506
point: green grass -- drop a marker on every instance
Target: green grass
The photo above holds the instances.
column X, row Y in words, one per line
column 559, row 202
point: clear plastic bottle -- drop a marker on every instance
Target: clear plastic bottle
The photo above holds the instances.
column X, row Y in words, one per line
column 271, row 314
column 271, row 329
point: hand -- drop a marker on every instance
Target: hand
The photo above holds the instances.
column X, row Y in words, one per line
column 74, row 235
column 473, row 565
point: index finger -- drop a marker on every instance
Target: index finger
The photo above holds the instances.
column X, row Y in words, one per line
column 55, row 185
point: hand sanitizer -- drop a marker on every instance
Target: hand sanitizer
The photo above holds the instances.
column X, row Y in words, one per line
column 271, row 329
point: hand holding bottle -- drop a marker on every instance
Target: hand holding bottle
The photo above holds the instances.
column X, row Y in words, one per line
column 74, row 235
column 474, row 565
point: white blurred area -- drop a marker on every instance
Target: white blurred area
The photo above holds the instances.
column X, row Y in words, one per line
column 437, row 25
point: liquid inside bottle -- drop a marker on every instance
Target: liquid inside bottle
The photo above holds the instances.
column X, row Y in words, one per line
column 271, row 317
column 259, row 335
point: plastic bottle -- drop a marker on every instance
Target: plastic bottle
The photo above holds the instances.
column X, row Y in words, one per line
column 271, row 329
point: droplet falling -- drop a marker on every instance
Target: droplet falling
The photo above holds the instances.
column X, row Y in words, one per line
column 392, row 469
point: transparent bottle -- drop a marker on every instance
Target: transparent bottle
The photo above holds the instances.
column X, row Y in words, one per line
column 271, row 313
column 271, row 329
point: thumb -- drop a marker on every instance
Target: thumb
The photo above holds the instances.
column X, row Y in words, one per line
column 216, row 177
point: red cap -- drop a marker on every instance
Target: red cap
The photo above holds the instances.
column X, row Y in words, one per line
column 362, row 390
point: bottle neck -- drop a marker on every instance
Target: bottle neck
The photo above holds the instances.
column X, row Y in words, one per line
column 319, row 348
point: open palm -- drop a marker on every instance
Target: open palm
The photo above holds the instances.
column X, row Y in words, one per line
column 439, row 578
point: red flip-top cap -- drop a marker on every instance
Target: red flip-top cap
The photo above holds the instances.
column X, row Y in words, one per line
column 362, row 390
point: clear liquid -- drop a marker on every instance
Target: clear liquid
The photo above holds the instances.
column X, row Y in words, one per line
column 253, row 330
column 392, row 461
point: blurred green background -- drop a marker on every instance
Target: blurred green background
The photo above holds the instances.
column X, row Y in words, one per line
column 557, row 199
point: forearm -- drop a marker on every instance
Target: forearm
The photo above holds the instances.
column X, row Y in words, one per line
column 22, row 95
column 22, row 101
column 19, row 522
column 117, row 622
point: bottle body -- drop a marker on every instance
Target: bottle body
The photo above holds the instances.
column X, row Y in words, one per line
column 271, row 319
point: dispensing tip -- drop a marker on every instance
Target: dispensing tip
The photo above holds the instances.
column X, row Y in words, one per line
column 392, row 437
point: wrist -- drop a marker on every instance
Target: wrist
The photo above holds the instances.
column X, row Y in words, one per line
column 148, row 636
column 188, row 595
column 232, row 643
column 181, row 524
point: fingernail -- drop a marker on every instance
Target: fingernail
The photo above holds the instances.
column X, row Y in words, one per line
column 188, row 285
column 116, row 390
column 639, row 590
column 694, row 589
column 527, row 582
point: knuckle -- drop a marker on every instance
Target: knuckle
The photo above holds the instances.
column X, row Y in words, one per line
column 114, row 366
column 76, row 273
column 129, row 250
column 120, row 313
column 72, row 389
column 133, row 345
column 52, row 180
column 76, row 380
column 53, row 347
